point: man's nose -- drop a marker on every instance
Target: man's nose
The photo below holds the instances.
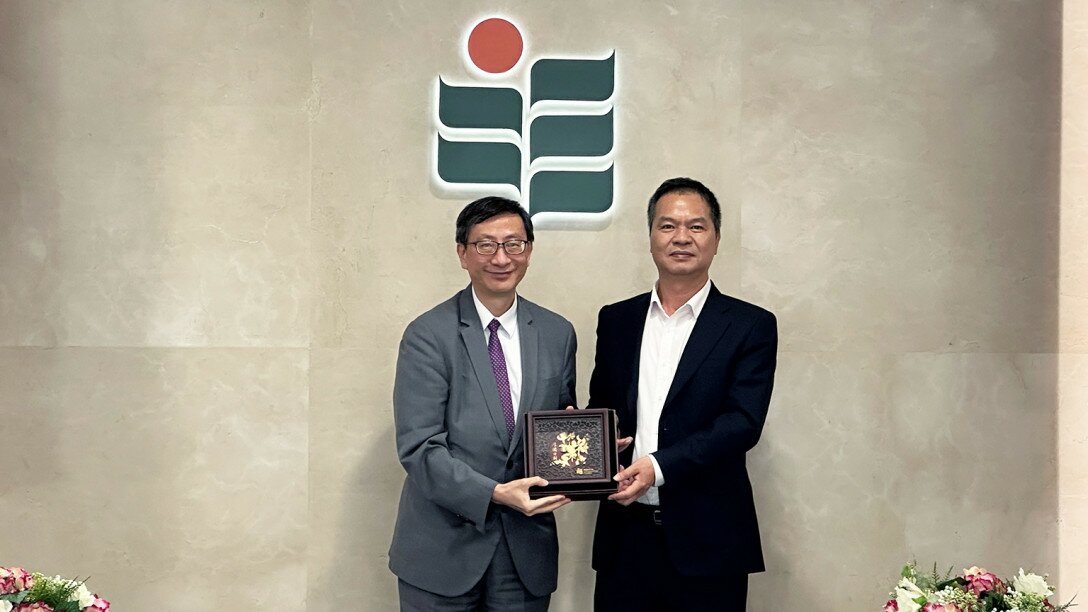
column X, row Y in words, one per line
column 681, row 236
column 500, row 257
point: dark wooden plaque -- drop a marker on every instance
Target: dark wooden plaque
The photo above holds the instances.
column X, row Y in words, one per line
column 574, row 450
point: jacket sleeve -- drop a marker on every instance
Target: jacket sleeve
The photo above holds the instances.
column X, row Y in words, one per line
column 568, row 395
column 420, row 395
column 737, row 429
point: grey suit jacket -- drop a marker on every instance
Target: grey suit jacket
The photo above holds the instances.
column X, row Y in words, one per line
column 452, row 442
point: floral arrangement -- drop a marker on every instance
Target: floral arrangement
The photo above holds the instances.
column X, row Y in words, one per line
column 21, row 591
column 976, row 590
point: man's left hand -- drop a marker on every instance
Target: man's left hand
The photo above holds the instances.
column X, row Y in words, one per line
column 639, row 477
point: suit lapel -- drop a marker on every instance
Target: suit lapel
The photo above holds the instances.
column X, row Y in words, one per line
column 636, row 322
column 472, row 334
column 709, row 328
column 529, row 338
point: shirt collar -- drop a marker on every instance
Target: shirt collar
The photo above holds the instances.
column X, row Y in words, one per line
column 695, row 303
column 507, row 320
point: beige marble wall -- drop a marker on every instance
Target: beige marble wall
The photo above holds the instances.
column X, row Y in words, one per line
column 215, row 222
column 1073, row 305
column 155, row 298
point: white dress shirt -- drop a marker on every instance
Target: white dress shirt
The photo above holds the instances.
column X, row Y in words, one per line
column 510, row 342
column 663, row 342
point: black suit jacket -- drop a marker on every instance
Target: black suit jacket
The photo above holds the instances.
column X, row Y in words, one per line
column 713, row 414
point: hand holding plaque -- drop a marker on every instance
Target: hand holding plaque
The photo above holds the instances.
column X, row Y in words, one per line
column 574, row 450
column 515, row 494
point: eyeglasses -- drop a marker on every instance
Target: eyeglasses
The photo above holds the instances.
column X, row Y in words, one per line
column 490, row 247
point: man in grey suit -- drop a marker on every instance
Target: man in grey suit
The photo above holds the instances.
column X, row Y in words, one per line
column 468, row 537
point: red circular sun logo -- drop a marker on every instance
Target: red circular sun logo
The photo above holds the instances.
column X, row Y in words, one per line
column 495, row 45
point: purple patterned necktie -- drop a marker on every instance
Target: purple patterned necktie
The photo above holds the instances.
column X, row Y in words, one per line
column 498, row 366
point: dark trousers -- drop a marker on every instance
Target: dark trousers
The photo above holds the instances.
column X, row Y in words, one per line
column 500, row 590
column 643, row 579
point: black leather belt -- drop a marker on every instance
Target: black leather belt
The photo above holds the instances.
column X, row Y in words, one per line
column 643, row 512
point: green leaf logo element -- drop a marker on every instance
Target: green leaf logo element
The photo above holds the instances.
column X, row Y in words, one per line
column 571, row 79
column 479, row 107
column 479, row 162
column 566, row 191
column 571, row 136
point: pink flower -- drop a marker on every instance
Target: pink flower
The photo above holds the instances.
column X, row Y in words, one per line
column 99, row 605
column 979, row 581
column 14, row 579
column 891, row 606
column 936, row 607
column 32, row 607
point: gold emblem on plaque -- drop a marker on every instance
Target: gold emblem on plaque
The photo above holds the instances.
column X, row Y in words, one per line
column 570, row 450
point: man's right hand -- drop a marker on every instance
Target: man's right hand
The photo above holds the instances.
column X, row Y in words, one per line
column 515, row 494
column 623, row 443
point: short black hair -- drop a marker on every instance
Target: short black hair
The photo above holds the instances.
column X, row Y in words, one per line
column 483, row 209
column 685, row 185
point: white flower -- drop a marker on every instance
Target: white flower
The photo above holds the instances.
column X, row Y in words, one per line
column 5, row 606
column 83, row 596
column 907, row 585
column 1031, row 583
column 905, row 594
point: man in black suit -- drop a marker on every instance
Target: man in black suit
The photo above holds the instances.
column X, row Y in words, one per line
column 689, row 372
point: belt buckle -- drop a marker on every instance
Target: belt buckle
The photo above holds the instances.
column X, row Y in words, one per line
column 657, row 516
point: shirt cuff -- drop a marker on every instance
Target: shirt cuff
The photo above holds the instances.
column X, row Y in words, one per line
column 659, row 477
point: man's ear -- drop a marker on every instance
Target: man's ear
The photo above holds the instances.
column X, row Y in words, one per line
column 461, row 249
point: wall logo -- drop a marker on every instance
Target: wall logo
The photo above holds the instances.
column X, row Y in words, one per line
column 544, row 137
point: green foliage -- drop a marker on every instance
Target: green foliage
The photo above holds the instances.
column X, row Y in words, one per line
column 55, row 593
column 1065, row 607
column 992, row 600
column 958, row 581
column 14, row 597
